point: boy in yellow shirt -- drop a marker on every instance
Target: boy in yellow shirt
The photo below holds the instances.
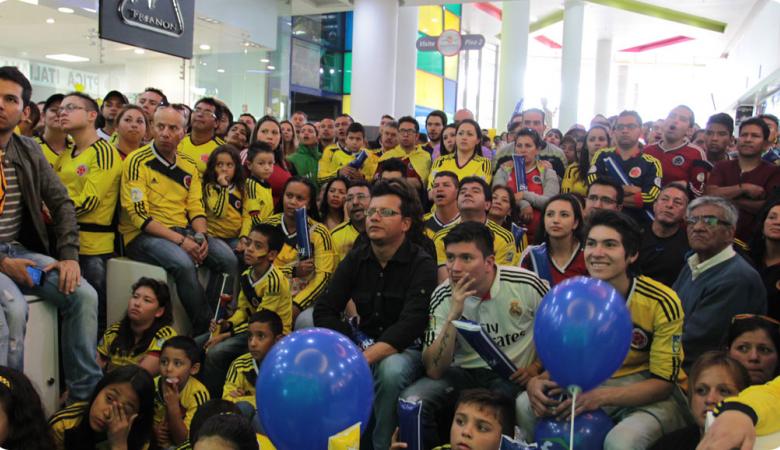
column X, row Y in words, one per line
column 265, row 330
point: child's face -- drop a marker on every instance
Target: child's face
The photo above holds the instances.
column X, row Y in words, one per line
column 176, row 366
column 475, row 427
column 261, row 339
column 354, row 141
column 262, row 165
column 225, row 166
column 256, row 250
column 143, row 306
column 121, row 394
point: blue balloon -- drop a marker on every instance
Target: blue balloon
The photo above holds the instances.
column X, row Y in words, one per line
column 582, row 332
column 590, row 429
column 313, row 384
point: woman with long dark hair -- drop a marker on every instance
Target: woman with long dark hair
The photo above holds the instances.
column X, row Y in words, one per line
column 334, row 196
column 575, row 179
column 765, row 252
column 269, row 131
column 25, row 424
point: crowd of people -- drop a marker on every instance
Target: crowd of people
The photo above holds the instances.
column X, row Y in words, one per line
column 300, row 223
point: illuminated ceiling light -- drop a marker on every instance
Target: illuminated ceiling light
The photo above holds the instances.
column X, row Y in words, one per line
column 65, row 10
column 265, row 60
column 205, row 47
column 30, row 2
column 90, row 10
column 221, row 70
column 67, row 57
column 139, row 51
column 50, row 21
column 271, row 68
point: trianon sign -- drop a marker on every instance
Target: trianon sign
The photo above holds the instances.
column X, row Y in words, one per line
column 450, row 42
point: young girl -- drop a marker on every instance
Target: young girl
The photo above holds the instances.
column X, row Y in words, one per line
column 22, row 420
column 223, row 192
column 575, row 179
column 447, row 145
column 226, row 431
column 118, row 416
column 131, row 128
column 332, row 204
column 289, row 139
column 559, row 255
column 308, row 276
column 139, row 336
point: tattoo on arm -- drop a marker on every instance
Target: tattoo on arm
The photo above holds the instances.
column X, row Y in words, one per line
column 442, row 346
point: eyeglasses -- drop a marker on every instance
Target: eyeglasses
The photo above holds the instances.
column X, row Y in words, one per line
column 603, row 200
column 755, row 316
column 710, row 221
column 630, row 127
column 408, row 131
column 204, row 111
column 69, row 108
column 383, row 212
column 359, row 197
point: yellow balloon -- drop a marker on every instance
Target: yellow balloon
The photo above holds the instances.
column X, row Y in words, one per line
column 78, row 87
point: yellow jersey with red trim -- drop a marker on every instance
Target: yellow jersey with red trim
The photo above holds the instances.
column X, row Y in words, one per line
column 418, row 160
column 241, row 377
column 305, row 290
column 92, row 178
column 258, row 204
column 50, row 154
column 223, row 210
column 199, row 153
column 271, row 291
column 506, row 250
column 121, row 358
column 191, row 396
column 476, row 166
column 344, row 237
column 154, row 189
column 656, row 339
column 334, row 157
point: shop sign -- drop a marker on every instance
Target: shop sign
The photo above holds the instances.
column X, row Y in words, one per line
column 63, row 78
column 164, row 26
column 450, row 42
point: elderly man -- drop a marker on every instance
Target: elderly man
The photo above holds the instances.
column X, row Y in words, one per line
column 716, row 284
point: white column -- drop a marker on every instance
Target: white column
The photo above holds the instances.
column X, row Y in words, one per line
column 375, row 34
column 406, row 62
column 513, row 58
column 570, row 62
column 603, row 70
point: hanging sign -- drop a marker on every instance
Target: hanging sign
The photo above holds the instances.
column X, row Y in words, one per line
column 450, row 42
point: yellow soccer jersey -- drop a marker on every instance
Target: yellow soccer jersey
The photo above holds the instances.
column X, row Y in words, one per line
column 241, row 376
column 478, row 166
column 191, row 397
column 334, row 157
column 50, row 154
column 571, row 183
column 432, row 224
column 506, row 250
column 258, row 204
column 656, row 340
column 66, row 419
column 419, row 159
column 121, row 358
column 199, row 153
column 223, row 210
column 271, row 292
column 761, row 402
column 306, row 290
column 344, row 236
column 92, row 179
column 154, row 189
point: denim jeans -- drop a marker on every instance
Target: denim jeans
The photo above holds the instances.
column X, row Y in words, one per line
column 218, row 359
column 391, row 376
column 78, row 336
column 93, row 269
column 13, row 321
column 177, row 262
column 441, row 394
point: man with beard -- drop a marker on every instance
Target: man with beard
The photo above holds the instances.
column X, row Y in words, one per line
column 434, row 125
column 748, row 180
column 345, row 235
column 664, row 243
column 680, row 160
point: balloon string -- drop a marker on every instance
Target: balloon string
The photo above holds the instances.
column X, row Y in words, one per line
column 571, row 427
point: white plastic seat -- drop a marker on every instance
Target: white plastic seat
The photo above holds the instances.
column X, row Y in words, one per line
column 42, row 351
